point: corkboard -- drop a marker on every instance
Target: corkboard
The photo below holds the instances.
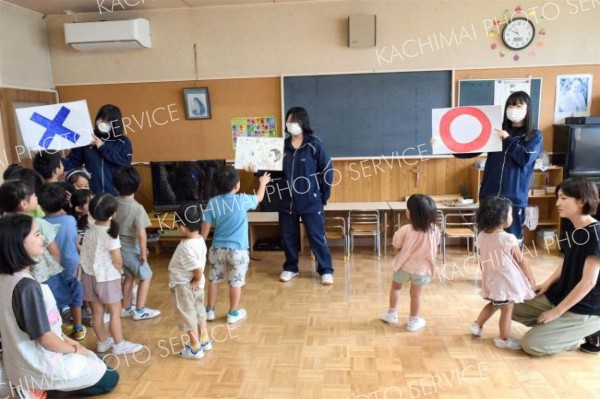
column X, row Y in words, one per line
column 158, row 128
column 548, row 75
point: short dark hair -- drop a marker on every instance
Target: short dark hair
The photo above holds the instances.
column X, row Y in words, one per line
column 516, row 98
column 422, row 210
column 12, row 192
column 299, row 115
column 80, row 198
column 126, row 180
column 583, row 189
column 190, row 216
column 102, row 207
column 28, row 175
column 9, row 169
column 13, row 231
column 45, row 163
column 492, row 213
column 52, row 197
column 226, row 178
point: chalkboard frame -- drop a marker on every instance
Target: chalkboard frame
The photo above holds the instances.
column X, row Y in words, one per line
column 436, row 92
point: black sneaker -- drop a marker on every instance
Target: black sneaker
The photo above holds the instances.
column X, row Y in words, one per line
column 592, row 344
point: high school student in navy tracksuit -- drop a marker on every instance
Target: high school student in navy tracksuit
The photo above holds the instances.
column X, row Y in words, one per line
column 302, row 190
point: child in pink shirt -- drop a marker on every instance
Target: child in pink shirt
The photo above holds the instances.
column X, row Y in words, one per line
column 417, row 243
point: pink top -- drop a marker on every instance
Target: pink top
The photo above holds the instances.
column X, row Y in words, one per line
column 502, row 278
column 418, row 250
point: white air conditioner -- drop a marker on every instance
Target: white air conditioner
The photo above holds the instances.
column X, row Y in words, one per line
column 108, row 35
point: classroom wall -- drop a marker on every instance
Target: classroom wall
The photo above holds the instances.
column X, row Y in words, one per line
column 310, row 38
column 24, row 53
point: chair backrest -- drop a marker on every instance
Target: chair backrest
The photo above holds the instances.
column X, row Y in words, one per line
column 363, row 220
column 335, row 224
column 460, row 224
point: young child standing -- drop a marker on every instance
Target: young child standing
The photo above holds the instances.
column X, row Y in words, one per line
column 186, row 281
column 417, row 243
column 18, row 196
column 66, row 287
column 102, row 267
column 229, row 250
column 133, row 220
column 506, row 276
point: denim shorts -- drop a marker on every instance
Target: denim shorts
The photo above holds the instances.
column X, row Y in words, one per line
column 401, row 277
column 132, row 265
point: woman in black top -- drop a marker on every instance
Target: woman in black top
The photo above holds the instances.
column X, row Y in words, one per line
column 567, row 306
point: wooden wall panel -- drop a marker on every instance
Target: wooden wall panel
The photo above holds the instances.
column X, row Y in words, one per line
column 548, row 75
column 179, row 138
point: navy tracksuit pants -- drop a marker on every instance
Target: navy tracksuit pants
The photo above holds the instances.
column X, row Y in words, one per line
column 315, row 230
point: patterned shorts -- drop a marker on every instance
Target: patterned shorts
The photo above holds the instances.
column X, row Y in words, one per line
column 236, row 261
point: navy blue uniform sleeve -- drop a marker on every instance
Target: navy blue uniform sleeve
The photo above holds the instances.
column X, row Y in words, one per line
column 326, row 175
column 119, row 152
column 523, row 153
column 29, row 308
column 74, row 160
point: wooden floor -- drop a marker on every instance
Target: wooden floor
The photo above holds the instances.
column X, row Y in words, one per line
column 304, row 340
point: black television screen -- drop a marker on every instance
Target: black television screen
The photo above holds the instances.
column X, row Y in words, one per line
column 180, row 182
column 584, row 152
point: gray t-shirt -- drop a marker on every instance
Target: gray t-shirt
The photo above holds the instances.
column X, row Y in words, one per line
column 131, row 217
column 28, row 306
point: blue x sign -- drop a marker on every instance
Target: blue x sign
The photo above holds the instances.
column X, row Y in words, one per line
column 55, row 127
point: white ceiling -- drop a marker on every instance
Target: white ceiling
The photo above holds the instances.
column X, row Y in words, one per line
column 49, row 7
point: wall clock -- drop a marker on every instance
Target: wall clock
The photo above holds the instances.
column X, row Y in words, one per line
column 518, row 33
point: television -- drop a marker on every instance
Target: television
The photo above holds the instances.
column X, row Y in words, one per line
column 180, row 182
column 578, row 147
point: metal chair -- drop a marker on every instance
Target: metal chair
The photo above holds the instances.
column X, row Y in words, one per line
column 458, row 225
column 335, row 229
column 365, row 224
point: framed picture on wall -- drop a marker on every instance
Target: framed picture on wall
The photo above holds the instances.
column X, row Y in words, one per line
column 197, row 103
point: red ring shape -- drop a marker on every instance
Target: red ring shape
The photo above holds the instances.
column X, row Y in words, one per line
column 478, row 142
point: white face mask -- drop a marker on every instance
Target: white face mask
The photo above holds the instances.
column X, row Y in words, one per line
column 516, row 114
column 294, row 128
column 103, row 127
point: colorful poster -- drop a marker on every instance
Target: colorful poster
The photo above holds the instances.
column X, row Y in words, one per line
column 466, row 129
column 55, row 127
column 265, row 153
column 263, row 126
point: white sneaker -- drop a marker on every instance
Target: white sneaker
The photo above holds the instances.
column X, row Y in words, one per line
column 105, row 346
column 415, row 324
column 241, row 314
column 126, row 347
column 327, row 279
column 510, row 343
column 187, row 353
column 127, row 312
column 146, row 314
column 210, row 314
column 390, row 317
column 287, row 276
column 206, row 346
column 475, row 329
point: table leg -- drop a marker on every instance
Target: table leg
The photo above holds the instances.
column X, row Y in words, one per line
column 385, row 233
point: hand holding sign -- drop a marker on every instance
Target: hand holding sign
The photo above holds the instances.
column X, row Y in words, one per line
column 466, row 129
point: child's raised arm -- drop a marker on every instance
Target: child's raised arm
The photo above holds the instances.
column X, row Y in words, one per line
column 523, row 264
column 262, row 185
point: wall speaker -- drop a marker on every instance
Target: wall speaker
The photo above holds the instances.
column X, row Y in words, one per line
column 362, row 31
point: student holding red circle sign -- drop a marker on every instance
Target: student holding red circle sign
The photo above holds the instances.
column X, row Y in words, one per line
column 508, row 173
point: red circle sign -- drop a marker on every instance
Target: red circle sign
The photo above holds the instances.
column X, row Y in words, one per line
column 475, row 144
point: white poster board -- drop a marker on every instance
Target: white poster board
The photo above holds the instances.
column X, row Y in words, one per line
column 462, row 130
column 265, row 153
column 573, row 96
column 55, row 127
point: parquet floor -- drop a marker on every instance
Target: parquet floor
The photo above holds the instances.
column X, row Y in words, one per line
column 303, row 340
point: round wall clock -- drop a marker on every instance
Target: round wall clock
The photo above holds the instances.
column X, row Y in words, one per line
column 518, row 33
